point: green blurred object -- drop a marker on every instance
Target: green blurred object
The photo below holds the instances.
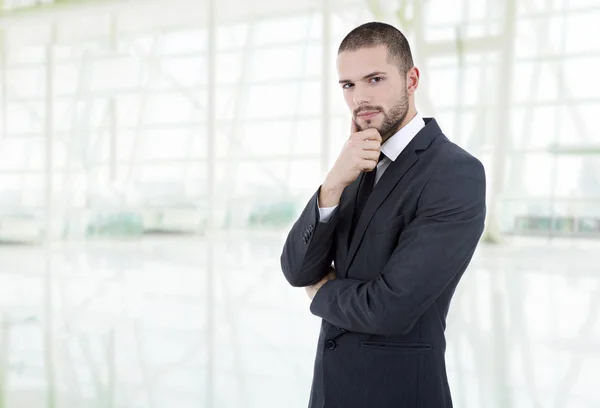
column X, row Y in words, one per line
column 589, row 225
column 564, row 224
column 577, row 150
column 276, row 215
column 117, row 224
column 560, row 225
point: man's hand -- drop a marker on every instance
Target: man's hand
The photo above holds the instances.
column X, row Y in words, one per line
column 360, row 153
column 311, row 291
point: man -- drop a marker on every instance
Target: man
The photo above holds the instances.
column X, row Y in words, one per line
column 399, row 215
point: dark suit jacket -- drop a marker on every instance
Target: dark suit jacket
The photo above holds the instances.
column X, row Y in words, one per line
column 382, row 342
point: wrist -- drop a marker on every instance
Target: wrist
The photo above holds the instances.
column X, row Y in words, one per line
column 329, row 195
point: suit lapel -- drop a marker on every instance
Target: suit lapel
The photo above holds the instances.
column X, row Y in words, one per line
column 394, row 173
column 392, row 176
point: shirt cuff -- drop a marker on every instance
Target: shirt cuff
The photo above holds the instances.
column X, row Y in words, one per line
column 325, row 213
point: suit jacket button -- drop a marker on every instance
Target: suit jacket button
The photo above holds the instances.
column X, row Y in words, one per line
column 330, row 344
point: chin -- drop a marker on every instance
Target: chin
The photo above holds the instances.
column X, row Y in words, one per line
column 371, row 124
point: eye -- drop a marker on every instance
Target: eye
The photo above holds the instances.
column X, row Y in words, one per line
column 376, row 79
column 347, row 85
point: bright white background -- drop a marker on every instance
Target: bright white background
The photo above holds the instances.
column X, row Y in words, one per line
column 153, row 155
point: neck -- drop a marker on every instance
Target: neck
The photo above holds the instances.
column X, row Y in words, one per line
column 410, row 115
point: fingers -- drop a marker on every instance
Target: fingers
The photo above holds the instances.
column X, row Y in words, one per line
column 371, row 155
column 371, row 145
column 372, row 134
column 368, row 165
column 367, row 134
column 369, row 160
column 366, row 149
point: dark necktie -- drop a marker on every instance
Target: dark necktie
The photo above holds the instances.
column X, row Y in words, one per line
column 364, row 190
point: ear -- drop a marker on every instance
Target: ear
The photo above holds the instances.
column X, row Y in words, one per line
column 412, row 80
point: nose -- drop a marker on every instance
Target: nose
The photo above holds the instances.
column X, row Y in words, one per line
column 361, row 96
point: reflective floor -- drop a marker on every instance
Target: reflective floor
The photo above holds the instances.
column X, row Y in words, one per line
column 133, row 323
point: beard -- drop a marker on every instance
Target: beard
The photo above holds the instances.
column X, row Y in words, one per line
column 391, row 119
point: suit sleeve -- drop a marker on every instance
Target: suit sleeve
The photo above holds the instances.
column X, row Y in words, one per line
column 309, row 248
column 437, row 244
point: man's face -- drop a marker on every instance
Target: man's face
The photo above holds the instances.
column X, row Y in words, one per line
column 374, row 89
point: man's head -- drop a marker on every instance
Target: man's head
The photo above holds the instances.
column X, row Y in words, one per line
column 377, row 75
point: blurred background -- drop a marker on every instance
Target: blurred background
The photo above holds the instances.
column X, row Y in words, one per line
column 154, row 154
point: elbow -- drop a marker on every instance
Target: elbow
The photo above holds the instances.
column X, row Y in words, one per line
column 295, row 276
column 288, row 271
column 298, row 282
column 297, row 279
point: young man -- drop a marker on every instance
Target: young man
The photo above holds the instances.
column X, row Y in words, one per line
column 399, row 215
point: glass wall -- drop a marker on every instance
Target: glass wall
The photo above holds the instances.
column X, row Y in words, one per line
column 124, row 295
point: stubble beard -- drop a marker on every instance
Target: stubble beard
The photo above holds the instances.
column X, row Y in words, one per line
column 392, row 120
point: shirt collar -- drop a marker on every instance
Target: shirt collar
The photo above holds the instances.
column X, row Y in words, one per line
column 398, row 142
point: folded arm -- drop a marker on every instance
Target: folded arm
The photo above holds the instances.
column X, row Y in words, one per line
column 431, row 251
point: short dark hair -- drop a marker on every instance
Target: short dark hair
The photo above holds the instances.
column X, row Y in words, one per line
column 375, row 33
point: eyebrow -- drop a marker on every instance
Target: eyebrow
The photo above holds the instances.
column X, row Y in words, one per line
column 344, row 81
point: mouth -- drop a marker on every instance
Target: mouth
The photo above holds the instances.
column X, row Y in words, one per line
column 368, row 115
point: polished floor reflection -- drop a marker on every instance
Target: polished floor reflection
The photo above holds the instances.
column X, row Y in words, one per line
column 133, row 324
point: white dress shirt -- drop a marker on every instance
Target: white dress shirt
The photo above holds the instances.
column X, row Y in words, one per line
column 391, row 149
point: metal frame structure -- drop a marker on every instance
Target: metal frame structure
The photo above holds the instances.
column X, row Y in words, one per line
column 494, row 48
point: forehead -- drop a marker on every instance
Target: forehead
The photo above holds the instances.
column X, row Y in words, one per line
column 353, row 65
